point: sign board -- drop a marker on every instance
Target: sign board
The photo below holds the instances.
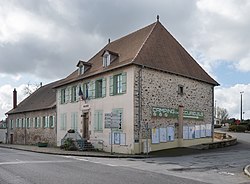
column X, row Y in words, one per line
column 174, row 113
column 112, row 120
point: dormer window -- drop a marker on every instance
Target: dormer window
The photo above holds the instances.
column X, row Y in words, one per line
column 83, row 67
column 81, row 70
column 108, row 57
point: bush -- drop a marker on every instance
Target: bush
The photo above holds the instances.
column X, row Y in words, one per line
column 237, row 128
column 69, row 145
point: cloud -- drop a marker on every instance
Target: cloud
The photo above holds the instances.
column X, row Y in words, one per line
column 229, row 98
column 6, row 96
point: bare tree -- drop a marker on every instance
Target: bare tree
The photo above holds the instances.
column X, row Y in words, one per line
column 222, row 114
column 30, row 88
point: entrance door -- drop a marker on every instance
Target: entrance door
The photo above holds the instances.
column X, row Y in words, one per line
column 85, row 132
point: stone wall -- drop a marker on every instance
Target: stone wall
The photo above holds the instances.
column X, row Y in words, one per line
column 160, row 89
column 32, row 135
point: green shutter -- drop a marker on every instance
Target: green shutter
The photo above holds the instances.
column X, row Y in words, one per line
column 111, row 85
column 103, row 87
column 100, row 120
column 95, row 120
column 124, row 82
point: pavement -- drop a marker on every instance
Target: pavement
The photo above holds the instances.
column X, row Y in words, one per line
column 58, row 151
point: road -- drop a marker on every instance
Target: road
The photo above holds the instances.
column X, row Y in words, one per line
column 218, row 166
column 21, row 167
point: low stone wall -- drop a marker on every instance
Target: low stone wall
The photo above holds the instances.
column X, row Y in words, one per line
column 221, row 140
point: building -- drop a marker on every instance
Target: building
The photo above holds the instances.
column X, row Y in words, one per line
column 3, row 131
column 146, row 80
column 34, row 119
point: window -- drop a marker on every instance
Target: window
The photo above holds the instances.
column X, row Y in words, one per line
column 63, row 96
column 118, row 84
column 36, row 122
column 74, row 120
column 98, row 122
column 106, row 59
column 28, row 123
column 86, row 90
column 17, row 123
column 11, row 124
column 22, row 123
column 97, row 89
column 81, row 69
column 63, row 123
column 51, row 122
column 73, row 94
column 180, row 89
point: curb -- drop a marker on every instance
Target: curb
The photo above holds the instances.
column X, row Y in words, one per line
column 80, row 155
column 246, row 170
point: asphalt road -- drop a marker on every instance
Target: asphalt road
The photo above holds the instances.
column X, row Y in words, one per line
column 20, row 167
column 217, row 166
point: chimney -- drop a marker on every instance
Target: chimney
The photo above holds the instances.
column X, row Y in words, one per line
column 14, row 98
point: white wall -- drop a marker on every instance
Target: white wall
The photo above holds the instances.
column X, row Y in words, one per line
column 106, row 104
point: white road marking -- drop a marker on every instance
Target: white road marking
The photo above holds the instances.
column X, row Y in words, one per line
column 33, row 162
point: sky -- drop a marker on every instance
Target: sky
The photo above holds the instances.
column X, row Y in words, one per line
column 43, row 40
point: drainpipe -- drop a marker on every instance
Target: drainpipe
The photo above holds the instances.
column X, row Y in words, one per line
column 212, row 128
column 140, row 108
column 180, row 130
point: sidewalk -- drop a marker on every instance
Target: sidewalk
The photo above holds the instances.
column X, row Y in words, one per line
column 58, row 151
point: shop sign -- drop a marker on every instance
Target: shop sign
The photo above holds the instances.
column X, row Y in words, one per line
column 174, row 113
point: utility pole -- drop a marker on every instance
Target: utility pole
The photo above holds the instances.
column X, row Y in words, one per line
column 241, row 119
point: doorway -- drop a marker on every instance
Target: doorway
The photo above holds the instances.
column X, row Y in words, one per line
column 85, row 126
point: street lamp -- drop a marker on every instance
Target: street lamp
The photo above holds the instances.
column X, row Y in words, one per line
column 241, row 106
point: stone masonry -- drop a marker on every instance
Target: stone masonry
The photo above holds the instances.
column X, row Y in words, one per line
column 160, row 89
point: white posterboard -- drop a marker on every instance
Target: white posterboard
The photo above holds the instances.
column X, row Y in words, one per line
column 203, row 130
column 185, row 132
column 123, row 139
column 197, row 131
column 191, row 132
column 163, row 134
column 170, row 133
column 208, row 130
column 155, row 136
column 116, row 137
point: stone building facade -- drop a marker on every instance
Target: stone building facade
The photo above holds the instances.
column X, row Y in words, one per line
column 154, row 88
column 34, row 119
column 29, row 128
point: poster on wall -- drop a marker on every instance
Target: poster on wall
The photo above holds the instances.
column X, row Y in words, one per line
column 197, row 131
column 203, row 130
column 170, row 133
column 191, row 132
column 185, row 132
column 122, row 139
column 163, row 134
column 208, row 130
column 116, row 137
column 155, row 136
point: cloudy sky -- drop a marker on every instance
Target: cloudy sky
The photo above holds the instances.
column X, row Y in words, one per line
column 42, row 40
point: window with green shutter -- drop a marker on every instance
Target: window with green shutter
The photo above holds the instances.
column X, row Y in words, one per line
column 118, row 84
column 63, row 96
column 98, row 120
column 73, row 94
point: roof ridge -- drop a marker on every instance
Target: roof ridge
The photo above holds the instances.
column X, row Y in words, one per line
column 144, row 42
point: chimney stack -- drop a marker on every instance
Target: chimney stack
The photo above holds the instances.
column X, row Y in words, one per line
column 14, row 98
